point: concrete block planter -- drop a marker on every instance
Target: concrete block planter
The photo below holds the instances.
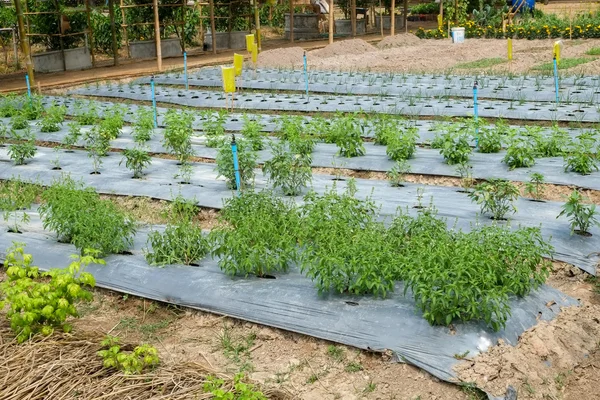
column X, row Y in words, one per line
column 52, row 61
column 343, row 27
column 387, row 21
column 306, row 26
column 147, row 48
column 235, row 40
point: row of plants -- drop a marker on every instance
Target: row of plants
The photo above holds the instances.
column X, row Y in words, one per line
column 543, row 26
column 39, row 303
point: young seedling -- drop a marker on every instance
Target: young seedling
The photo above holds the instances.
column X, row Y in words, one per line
column 24, row 147
column 496, row 196
column 402, row 145
column 17, row 195
column 252, row 132
column 465, row 170
column 143, row 127
column 97, row 146
column 73, row 136
column 535, row 186
column 398, row 172
column 53, row 119
column 287, row 170
column 581, row 216
column 519, row 154
column 580, row 156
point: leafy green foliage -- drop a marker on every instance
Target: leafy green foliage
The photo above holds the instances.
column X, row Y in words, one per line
column 397, row 173
column 32, row 108
column 520, row 153
column 347, row 132
column 87, row 115
column 580, row 156
column 97, row 146
column 300, row 139
column 214, row 127
column 16, row 195
column 535, row 186
column 143, row 127
column 136, row 160
column 455, row 147
column 71, row 138
column 552, row 145
column 110, row 127
column 178, row 134
column 385, row 126
column 256, row 234
column 23, row 148
column 182, row 241
column 252, row 132
column 18, row 121
column 142, row 358
column 467, row 276
column 288, row 171
column 53, row 118
column 239, row 391
column 41, row 302
column 490, row 140
column 343, row 246
column 246, row 161
column 9, row 105
column 80, row 217
column 495, row 196
column 581, row 216
column 402, row 145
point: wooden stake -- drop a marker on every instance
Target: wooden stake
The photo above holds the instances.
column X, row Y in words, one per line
column 353, row 17
column 125, row 36
column 331, row 21
column 113, row 31
column 212, row 26
column 24, row 43
column 292, row 21
column 157, row 37
column 91, row 31
column 406, row 15
column 392, row 18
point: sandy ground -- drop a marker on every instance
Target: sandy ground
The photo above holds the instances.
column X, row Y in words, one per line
column 407, row 53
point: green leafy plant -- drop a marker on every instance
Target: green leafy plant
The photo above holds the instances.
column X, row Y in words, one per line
column 554, row 144
column 535, row 186
column 17, row 195
column 490, row 140
column 300, row 139
column 581, row 216
column 33, row 108
column 182, row 241
column 252, row 132
column 136, row 160
column 79, row 216
column 465, row 171
column 246, row 161
column 580, row 156
column 384, row 126
column 238, row 391
column 23, row 149
column 41, row 302
column 143, row 127
column 9, row 105
column 398, row 172
column 519, row 154
column 348, row 136
column 495, row 196
column 110, row 127
column 87, row 115
column 455, row 147
column 178, row 134
column 142, row 358
column 402, row 144
column 71, row 138
column 53, row 119
column 256, row 235
column 288, row 171
column 214, row 127
column 97, row 146
column 18, row 121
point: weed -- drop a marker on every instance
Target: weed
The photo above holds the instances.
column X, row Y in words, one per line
column 461, row 356
column 370, row 388
column 353, row 367
column 142, row 358
column 482, row 63
column 336, row 353
column 594, row 51
column 238, row 391
column 565, row 63
column 237, row 349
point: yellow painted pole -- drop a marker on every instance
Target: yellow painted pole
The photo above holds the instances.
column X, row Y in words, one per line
column 556, row 52
column 510, row 49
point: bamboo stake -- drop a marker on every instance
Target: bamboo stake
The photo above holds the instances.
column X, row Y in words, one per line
column 392, row 18
column 24, row 42
column 157, row 37
column 212, row 26
column 331, row 21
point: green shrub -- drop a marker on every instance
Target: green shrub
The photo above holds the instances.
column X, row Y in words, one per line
column 581, row 216
column 580, row 156
column 24, row 147
column 87, row 115
column 252, row 132
column 9, row 105
column 40, row 302
column 402, row 144
column 287, row 170
column 143, row 127
column 384, row 126
column 520, row 154
column 71, row 138
column 246, row 161
column 17, row 195
column 182, row 241
column 348, row 136
column 318, row 128
column 214, row 127
column 78, row 216
column 141, row 359
column 136, row 160
column 256, row 235
column 32, row 108
column 238, row 390
column 110, row 127
column 300, row 138
column 455, row 147
column 18, row 121
column 178, row 134
column 490, row 140
column 496, row 196
column 554, row 144
column 97, row 146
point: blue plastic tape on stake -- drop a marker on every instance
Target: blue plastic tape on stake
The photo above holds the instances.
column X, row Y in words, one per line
column 306, row 74
column 556, row 80
column 476, row 114
column 236, row 166
column 153, row 101
column 185, row 76
column 28, row 86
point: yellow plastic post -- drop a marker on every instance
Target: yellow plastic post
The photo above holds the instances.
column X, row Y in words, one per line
column 228, row 79
column 254, row 53
column 249, row 42
column 510, row 50
column 440, row 21
column 238, row 63
column 556, row 52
